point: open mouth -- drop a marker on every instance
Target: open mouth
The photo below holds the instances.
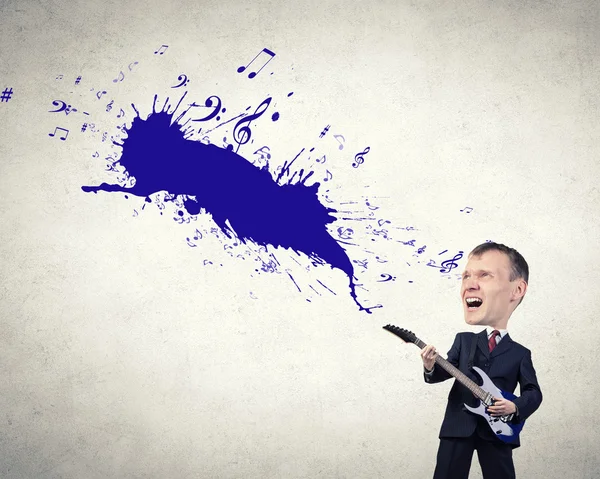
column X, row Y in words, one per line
column 473, row 303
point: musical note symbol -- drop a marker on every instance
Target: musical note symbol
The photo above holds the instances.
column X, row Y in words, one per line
column 100, row 93
column 95, row 155
column 209, row 103
column 386, row 277
column 69, row 109
column 109, row 106
column 56, row 103
column 161, row 50
column 449, row 264
column 345, row 233
column 262, row 154
column 134, row 63
column 59, row 77
column 328, row 176
column 371, row 207
column 253, row 74
column 467, row 208
column 242, row 134
column 121, row 114
column 62, row 137
column 379, row 260
column 382, row 232
column 119, row 78
column 432, row 264
column 321, row 160
column 382, row 222
column 421, row 249
column 362, row 263
column 340, row 142
column 359, row 158
column 183, row 79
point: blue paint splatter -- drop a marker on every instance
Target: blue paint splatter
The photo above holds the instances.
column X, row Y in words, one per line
column 243, row 200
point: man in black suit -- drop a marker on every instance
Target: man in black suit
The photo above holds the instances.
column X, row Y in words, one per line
column 493, row 285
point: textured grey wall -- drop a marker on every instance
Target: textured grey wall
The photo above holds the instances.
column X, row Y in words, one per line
column 122, row 356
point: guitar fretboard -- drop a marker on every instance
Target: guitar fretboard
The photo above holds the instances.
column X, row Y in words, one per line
column 458, row 374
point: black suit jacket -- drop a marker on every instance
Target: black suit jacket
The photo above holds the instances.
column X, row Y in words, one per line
column 508, row 364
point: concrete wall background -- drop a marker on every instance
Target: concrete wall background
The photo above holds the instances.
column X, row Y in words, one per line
column 121, row 355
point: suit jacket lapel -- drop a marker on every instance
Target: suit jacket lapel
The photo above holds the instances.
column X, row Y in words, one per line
column 503, row 346
column 482, row 343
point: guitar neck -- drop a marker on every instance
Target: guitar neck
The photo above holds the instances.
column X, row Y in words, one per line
column 459, row 375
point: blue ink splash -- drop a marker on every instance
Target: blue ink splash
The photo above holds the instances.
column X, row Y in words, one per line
column 242, row 199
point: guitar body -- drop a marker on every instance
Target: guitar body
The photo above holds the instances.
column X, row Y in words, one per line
column 500, row 427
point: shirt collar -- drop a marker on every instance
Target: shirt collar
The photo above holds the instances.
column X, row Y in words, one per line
column 489, row 329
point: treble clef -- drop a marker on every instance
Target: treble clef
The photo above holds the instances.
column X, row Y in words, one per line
column 241, row 132
column 450, row 264
column 359, row 158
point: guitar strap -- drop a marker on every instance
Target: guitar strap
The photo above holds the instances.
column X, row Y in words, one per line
column 472, row 355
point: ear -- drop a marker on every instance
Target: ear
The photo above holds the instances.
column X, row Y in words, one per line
column 519, row 290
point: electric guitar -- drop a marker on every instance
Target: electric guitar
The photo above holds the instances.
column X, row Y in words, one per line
column 505, row 431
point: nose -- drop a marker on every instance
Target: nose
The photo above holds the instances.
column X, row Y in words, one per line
column 469, row 284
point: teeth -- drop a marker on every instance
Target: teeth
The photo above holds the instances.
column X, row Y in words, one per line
column 472, row 300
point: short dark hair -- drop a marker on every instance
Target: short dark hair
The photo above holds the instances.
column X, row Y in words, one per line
column 518, row 266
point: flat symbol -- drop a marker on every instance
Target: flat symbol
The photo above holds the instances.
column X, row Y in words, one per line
column 6, row 94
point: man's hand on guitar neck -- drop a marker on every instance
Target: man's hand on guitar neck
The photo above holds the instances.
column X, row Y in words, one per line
column 428, row 355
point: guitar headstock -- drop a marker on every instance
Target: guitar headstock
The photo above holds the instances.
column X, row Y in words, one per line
column 404, row 334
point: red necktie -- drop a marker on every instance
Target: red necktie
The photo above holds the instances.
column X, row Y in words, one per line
column 492, row 341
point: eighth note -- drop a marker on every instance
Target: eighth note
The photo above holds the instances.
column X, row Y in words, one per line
column 62, row 137
column 341, row 142
column 120, row 77
column 253, row 74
